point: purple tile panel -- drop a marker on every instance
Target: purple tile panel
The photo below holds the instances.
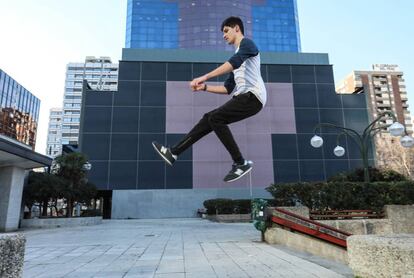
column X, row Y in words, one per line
column 211, row 161
column 178, row 94
column 206, row 99
column 209, row 149
column 279, row 95
column 282, row 120
column 178, row 118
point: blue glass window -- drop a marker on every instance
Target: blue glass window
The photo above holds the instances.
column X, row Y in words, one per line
column 273, row 24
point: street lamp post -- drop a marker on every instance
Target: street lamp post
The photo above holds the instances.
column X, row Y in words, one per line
column 87, row 166
column 362, row 140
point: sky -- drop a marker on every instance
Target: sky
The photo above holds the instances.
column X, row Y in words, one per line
column 40, row 37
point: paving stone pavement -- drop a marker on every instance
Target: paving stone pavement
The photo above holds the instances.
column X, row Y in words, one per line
column 170, row 248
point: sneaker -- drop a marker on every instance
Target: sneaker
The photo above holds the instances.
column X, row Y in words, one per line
column 165, row 153
column 238, row 170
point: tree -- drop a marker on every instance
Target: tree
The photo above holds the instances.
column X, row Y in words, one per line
column 391, row 155
column 87, row 193
column 42, row 188
column 71, row 167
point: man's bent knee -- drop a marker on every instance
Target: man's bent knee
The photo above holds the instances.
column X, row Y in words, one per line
column 214, row 119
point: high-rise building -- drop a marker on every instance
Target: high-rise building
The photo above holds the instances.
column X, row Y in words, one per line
column 195, row 24
column 54, row 134
column 19, row 111
column 101, row 74
column 385, row 90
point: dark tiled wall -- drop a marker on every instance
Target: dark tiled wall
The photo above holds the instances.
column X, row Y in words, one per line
column 118, row 128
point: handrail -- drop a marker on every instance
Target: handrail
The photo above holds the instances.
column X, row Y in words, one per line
column 312, row 221
column 310, row 227
column 344, row 214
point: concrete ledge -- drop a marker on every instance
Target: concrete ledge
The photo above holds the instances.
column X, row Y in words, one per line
column 300, row 210
column 229, row 218
column 60, row 222
column 11, row 255
column 306, row 243
column 401, row 218
column 361, row 226
column 375, row 256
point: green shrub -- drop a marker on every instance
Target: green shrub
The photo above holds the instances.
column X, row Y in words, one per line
column 402, row 193
column 91, row 213
column 242, row 206
column 343, row 195
column 227, row 206
column 283, row 193
column 224, row 206
column 210, row 206
column 375, row 175
column 289, row 194
column 219, row 206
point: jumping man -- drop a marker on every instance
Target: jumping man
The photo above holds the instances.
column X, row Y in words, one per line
column 248, row 91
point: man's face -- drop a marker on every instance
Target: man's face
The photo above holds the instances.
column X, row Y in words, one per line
column 229, row 34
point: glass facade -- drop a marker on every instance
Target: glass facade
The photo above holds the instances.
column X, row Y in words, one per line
column 19, row 111
column 195, row 24
column 154, row 103
column 275, row 26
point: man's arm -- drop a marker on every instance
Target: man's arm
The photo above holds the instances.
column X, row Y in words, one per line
column 223, row 69
column 226, row 88
column 247, row 49
column 211, row 89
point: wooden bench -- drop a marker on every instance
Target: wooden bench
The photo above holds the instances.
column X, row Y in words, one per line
column 344, row 214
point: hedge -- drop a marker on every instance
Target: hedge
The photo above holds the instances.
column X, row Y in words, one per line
column 229, row 206
column 343, row 195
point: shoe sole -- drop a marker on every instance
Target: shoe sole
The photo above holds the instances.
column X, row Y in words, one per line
column 160, row 153
column 242, row 175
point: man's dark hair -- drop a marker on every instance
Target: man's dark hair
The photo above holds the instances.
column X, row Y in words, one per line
column 232, row 21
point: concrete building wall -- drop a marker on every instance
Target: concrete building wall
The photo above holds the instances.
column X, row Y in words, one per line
column 172, row 203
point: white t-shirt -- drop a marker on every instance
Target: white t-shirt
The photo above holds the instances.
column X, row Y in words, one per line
column 246, row 76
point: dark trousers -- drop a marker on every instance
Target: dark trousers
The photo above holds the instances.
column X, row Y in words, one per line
column 236, row 109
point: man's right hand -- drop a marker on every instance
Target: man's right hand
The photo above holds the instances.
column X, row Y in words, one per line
column 198, row 87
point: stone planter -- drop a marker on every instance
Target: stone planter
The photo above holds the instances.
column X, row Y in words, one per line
column 60, row 222
column 398, row 219
column 374, row 256
column 361, row 226
column 401, row 218
column 391, row 237
column 306, row 243
column 230, row 218
column 11, row 255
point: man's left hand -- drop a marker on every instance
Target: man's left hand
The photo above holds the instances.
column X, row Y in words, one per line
column 198, row 87
column 198, row 81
